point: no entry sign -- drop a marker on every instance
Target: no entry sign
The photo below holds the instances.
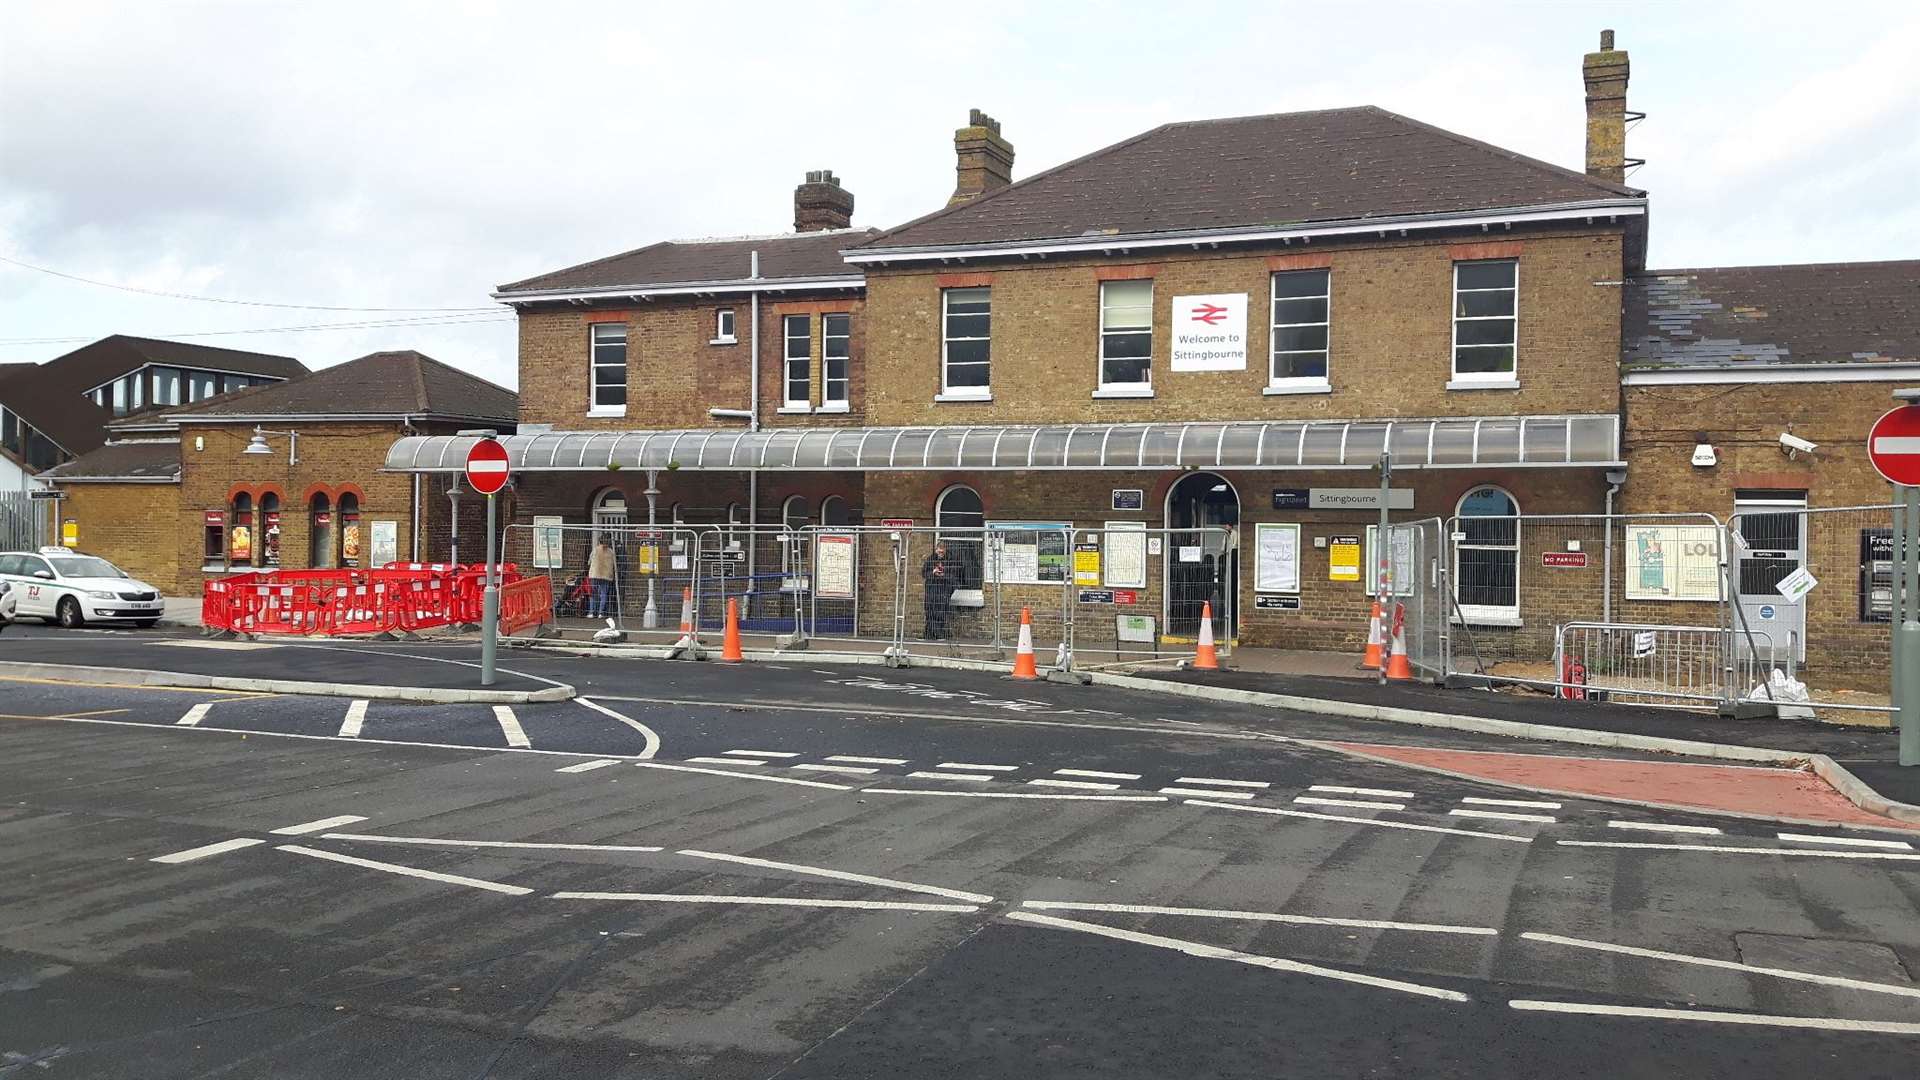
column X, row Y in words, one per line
column 487, row 466
column 1893, row 445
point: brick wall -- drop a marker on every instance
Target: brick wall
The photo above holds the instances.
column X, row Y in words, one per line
column 129, row 525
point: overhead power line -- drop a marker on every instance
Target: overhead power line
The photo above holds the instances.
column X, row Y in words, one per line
column 221, row 300
column 366, row 324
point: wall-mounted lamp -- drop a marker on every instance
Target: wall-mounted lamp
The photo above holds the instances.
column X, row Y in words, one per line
column 258, row 444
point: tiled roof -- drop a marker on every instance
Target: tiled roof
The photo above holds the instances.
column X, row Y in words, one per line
column 401, row 383
column 156, row 460
column 1257, row 171
column 1746, row 316
column 670, row 262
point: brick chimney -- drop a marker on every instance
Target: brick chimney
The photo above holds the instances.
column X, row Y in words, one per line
column 1605, row 73
column 821, row 203
column 985, row 159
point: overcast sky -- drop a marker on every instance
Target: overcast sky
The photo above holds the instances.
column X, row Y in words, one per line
column 397, row 155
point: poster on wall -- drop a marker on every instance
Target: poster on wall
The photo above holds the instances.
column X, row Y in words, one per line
column 1126, row 555
column 547, row 535
column 1026, row 553
column 1276, row 563
column 270, row 539
column 240, row 542
column 1673, row 562
column 1343, row 558
column 1209, row 332
column 384, row 540
column 1086, row 562
column 1403, row 568
column 350, row 541
column 833, row 566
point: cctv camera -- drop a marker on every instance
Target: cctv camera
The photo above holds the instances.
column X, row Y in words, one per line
column 1791, row 443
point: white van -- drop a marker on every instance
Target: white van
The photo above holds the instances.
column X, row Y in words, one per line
column 73, row 589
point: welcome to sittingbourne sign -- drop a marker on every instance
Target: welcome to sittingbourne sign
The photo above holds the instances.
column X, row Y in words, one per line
column 1210, row 332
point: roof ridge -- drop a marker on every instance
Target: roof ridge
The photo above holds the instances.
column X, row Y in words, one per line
column 1774, row 266
column 1511, row 155
column 582, row 266
column 420, row 379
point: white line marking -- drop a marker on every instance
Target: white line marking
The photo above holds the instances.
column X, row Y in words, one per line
column 1655, row 826
column 766, row 901
column 1358, row 804
column 429, row 841
column 835, row 674
column 844, row 770
column 743, row 776
column 1525, row 804
column 1083, row 785
column 510, row 726
column 1847, row 841
column 950, row 776
column 1501, row 815
column 726, row 761
column 1364, row 821
column 220, row 848
column 355, row 720
column 193, row 716
column 588, row 766
column 841, row 875
column 849, row 759
column 1094, row 774
column 1878, row 1027
column 1223, row 783
column 1016, row 795
column 1385, row 793
column 1726, row 965
column 468, row 748
column 1261, row 916
column 1896, row 444
column 980, row 768
column 408, row 871
column 652, row 745
column 319, row 826
column 1214, row 952
column 1204, row 794
column 761, row 754
column 1803, row 852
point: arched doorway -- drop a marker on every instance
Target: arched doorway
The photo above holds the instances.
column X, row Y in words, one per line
column 1202, row 501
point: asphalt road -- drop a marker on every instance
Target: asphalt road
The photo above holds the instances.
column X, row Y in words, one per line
column 598, row 903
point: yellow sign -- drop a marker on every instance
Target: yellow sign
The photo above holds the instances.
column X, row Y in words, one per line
column 70, row 533
column 1086, row 564
column 649, row 559
column 1343, row 558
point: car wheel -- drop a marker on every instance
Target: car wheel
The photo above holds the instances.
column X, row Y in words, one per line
column 69, row 613
column 146, row 624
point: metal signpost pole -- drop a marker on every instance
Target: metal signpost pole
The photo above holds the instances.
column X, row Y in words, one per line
column 489, row 605
column 1384, row 542
column 1893, row 446
column 1907, row 644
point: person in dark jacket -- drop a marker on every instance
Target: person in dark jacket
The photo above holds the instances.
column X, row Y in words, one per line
column 940, row 572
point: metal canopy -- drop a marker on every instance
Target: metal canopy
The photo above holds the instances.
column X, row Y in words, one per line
column 1453, row 443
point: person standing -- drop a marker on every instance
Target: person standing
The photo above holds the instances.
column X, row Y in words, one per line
column 939, row 573
column 600, row 577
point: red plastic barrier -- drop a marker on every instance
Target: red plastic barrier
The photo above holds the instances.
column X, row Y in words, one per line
column 525, row 603
column 398, row 596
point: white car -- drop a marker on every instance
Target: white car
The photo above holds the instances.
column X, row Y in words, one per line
column 73, row 589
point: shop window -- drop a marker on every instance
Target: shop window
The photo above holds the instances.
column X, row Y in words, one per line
column 608, row 364
column 836, row 360
column 723, row 327
column 966, row 343
column 958, row 517
column 1301, row 325
column 1485, row 320
column 320, row 533
column 240, row 536
column 213, row 530
column 1488, row 555
column 270, row 529
column 1126, row 336
column 797, row 362
column 349, row 530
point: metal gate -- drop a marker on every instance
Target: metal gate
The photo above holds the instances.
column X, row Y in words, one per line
column 1768, row 544
column 23, row 521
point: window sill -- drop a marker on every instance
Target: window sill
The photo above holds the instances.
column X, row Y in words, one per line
column 1493, row 620
column 1124, row 392
column 1304, row 386
column 607, row 410
column 1483, row 384
column 835, row 407
column 961, row 395
column 794, row 410
column 724, row 341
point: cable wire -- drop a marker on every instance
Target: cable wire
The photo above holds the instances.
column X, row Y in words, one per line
column 372, row 324
column 220, row 300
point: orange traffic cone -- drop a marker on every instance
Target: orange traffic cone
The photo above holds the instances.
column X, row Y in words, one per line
column 1375, row 639
column 686, row 615
column 1023, row 667
column 730, row 645
column 1203, row 655
column 1397, row 665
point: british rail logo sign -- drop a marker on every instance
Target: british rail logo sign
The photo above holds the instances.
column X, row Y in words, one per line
column 1210, row 332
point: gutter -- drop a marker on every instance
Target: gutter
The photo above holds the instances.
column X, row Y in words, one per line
column 748, row 286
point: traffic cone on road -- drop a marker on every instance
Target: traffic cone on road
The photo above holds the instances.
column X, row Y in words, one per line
column 687, row 634
column 730, row 645
column 1375, row 639
column 1203, row 654
column 1397, row 665
column 1023, row 666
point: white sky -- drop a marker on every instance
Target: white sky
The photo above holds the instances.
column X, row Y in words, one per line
column 416, row 155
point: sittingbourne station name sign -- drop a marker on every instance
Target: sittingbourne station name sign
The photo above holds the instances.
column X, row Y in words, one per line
column 1210, row 332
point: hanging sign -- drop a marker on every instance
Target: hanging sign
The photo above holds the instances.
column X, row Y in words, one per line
column 1797, row 585
column 1209, row 332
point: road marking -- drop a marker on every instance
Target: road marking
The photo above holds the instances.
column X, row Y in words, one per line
column 742, row 776
column 1214, row 952
column 1094, row 774
column 408, row 871
column 1083, row 785
column 1207, row 794
column 1385, row 793
column 726, row 761
column 1223, row 783
column 1262, row 916
column 1501, row 815
column 220, row 848
column 851, row 760
column 1878, row 1027
column 981, row 768
column 1016, row 795
column 950, row 776
column 775, row 754
column 841, row 875
column 1804, row 852
column 356, row 719
column 845, row 770
column 193, row 716
column 1364, row 821
column 1525, row 804
column 530, row 845
column 766, row 901
column 588, row 766
column 1655, row 826
column 652, row 744
column 1847, row 841
column 1726, row 965
column 1358, row 804
column 319, row 826
column 510, row 726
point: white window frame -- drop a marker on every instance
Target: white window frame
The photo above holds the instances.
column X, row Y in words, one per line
column 1142, row 388
column 965, row 393
column 1297, row 384
column 594, row 364
column 724, row 327
column 1488, row 614
column 803, row 403
column 1468, row 380
column 828, row 401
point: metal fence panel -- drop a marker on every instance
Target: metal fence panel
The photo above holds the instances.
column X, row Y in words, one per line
column 23, row 521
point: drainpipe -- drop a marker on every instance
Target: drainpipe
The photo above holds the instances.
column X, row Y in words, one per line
column 413, row 527
column 1615, row 477
column 753, row 419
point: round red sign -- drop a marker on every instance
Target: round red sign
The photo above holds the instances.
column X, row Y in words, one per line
column 1893, row 445
column 487, row 466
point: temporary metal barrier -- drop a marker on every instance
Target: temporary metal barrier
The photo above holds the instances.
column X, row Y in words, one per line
column 653, row 571
column 1656, row 664
column 1420, row 552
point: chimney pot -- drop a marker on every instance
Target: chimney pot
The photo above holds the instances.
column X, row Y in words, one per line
column 1605, row 74
column 1606, row 41
column 821, row 203
column 984, row 160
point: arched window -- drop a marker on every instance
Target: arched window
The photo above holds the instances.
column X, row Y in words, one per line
column 1487, row 584
column 269, row 529
column 677, row 513
column 959, row 508
column 320, row 532
column 833, row 511
column 350, row 530
column 240, row 536
column 610, row 509
column 793, row 512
